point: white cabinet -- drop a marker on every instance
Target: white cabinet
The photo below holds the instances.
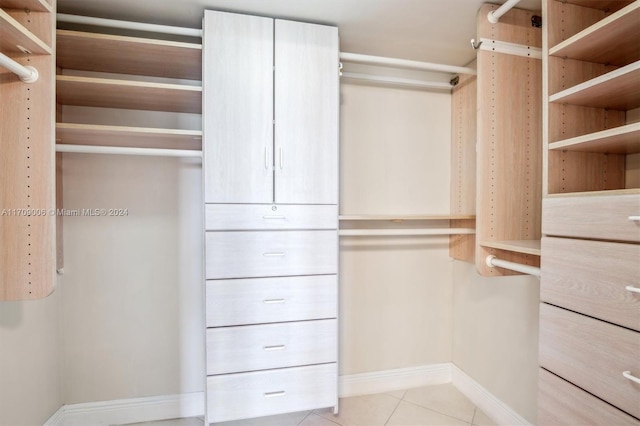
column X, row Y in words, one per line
column 271, row 111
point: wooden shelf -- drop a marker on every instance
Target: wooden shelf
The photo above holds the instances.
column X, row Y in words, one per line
column 139, row 137
column 404, row 232
column 32, row 5
column 605, row 5
column 110, row 93
column 614, row 40
column 13, row 34
column 518, row 246
column 597, row 193
column 128, row 55
column 402, row 218
column 619, row 140
column 618, row 89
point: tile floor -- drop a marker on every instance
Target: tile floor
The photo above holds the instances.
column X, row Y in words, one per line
column 441, row 405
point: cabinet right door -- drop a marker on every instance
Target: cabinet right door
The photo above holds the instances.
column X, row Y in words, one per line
column 306, row 113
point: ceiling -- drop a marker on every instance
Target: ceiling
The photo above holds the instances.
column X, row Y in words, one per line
column 425, row 30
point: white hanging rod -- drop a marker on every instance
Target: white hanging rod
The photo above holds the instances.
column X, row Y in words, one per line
column 404, row 63
column 399, row 81
column 128, row 25
column 492, row 261
column 404, row 232
column 28, row 74
column 495, row 15
column 91, row 149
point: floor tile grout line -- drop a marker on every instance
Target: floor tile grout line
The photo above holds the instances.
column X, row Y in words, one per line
column 305, row 418
column 440, row 412
column 475, row 410
column 393, row 412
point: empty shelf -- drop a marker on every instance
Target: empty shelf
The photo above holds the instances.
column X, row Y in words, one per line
column 613, row 40
column 519, row 246
column 33, row 5
column 139, row 137
column 110, row 93
column 13, row 34
column 128, row 55
column 619, row 140
column 404, row 232
column 605, row 5
column 402, row 218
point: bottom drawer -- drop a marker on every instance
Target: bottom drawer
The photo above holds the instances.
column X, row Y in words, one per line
column 264, row 393
column 561, row 403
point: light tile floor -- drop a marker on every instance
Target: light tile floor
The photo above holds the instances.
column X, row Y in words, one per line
column 441, row 405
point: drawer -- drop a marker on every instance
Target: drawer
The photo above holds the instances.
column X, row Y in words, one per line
column 225, row 217
column 605, row 217
column 562, row 404
column 247, row 254
column 259, row 347
column 592, row 355
column 264, row 393
column 266, row 300
column 591, row 277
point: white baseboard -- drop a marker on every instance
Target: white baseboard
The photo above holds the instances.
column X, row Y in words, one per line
column 497, row 410
column 133, row 410
column 393, row 380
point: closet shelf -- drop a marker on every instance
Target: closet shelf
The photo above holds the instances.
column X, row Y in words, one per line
column 404, row 232
column 604, row 5
column 519, row 246
column 13, row 34
column 32, row 5
column 618, row 89
column 614, row 40
column 596, row 193
column 402, row 218
column 112, row 93
column 120, row 136
column 619, row 140
column 128, row 55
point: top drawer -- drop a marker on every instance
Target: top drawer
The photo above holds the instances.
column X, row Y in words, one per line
column 606, row 217
column 245, row 217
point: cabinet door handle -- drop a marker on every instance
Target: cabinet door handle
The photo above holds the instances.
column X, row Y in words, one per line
column 272, row 301
column 628, row 375
column 273, row 216
column 274, row 254
column 635, row 218
column 281, row 159
column 632, row 289
column 272, row 394
column 274, row 348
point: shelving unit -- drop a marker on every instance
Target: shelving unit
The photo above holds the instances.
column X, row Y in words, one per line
column 620, row 140
column 402, row 218
column 531, row 247
column 28, row 250
column 405, row 225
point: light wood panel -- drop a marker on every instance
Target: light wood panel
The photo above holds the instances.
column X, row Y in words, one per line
column 613, row 40
column 402, row 218
column 128, row 55
column 568, row 19
column 619, row 140
column 519, row 246
column 32, row 5
column 139, row 137
column 562, row 404
column 591, row 354
column 14, row 34
column 111, row 93
column 604, row 5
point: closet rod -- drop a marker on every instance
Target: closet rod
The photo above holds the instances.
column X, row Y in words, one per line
column 495, row 15
column 492, row 261
column 128, row 25
column 91, row 149
column 404, row 232
column 398, row 80
column 404, row 63
column 28, row 74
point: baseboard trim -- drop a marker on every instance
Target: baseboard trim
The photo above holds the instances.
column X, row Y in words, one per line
column 392, row 380
column 497, row 410
column 132, row 410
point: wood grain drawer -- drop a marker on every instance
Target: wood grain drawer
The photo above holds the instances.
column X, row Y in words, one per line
column 224, row 217
column 266, row 300
column 591, row 277
column 592, row 355
column 603, row 217
column 264, row 393
column 259, row 347
column 247, row 254
column 562, row 404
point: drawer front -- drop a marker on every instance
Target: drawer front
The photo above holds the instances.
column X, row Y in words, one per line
column 562, row 404
column 592, row 355
column 225, row 217
column 592, row 277
column 259, row 347
column 266, row 300
column 264, row 393
column 247, row 254
column 606, row 217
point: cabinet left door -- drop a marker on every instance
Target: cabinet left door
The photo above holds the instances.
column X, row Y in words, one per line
column 238, row 108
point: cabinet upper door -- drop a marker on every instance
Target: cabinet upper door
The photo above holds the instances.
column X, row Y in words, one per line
column 238, row 108
column 306, row 113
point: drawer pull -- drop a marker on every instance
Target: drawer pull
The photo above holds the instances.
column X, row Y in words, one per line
column 273, row 216
column 272, row 394
column 273, row 301
column 628, row 375
column 632, row 289
column 634, row 217
column 274, row 348
column 274, row 254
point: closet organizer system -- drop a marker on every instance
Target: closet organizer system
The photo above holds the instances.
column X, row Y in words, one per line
column 590, row 287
